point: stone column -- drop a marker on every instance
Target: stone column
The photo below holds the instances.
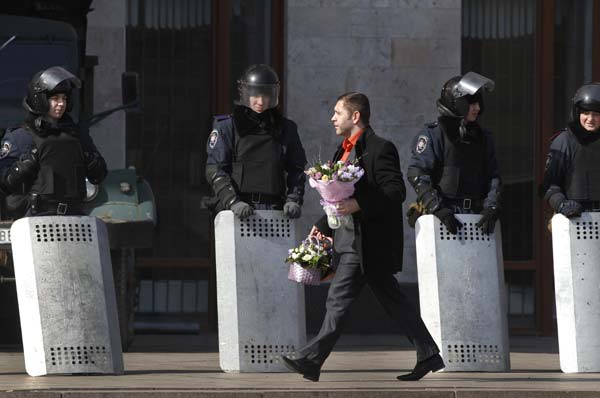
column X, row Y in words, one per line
column 106, row 40
column 397, row 52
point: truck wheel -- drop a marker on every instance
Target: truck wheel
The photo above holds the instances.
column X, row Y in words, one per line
column 123, row 261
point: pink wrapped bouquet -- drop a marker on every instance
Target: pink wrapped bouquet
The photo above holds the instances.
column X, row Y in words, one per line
column 335, row 183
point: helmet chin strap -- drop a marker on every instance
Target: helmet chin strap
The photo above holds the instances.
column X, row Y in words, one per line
column 43, row 122
column 462, row 129
column 445, row 111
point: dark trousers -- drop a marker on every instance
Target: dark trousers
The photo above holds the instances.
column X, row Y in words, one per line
column 346, row 285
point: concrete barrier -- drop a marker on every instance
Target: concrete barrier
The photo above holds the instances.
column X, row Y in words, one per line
column 462, row 293
column 576, row 252
column 66, row 296
column 261, row 312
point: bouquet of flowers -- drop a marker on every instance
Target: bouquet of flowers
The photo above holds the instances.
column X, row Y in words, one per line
column 309, row 261
column 335, row 183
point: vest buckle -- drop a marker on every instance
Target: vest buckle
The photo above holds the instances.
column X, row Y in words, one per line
column 255, row 198
column 61, row 209
column 467, row 204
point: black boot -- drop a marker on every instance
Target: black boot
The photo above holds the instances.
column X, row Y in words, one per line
column 309, row 370
column 431, row 364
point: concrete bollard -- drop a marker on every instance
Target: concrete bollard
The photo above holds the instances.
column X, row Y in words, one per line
column 576, row 252
column 462, row 294
column 261, row 312
column 66, row 296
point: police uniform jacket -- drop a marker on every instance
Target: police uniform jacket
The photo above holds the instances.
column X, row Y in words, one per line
column 379, row 193
column 457, row 168
column 573, row 164
column 62, row 153
column 259, row 159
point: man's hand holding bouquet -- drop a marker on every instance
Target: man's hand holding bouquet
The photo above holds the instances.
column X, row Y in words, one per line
column 310, row 262
column 335, row 183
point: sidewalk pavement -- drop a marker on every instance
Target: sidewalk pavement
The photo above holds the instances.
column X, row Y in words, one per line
column 362, row 366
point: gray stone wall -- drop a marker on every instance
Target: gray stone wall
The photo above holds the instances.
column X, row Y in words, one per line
column 106, row 39
column 397, row 52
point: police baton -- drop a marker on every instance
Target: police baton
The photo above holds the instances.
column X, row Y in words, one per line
column 7, row 42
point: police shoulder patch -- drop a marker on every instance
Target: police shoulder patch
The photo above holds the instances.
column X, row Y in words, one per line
column 5, row 150
column 548, row 161
column 422, row 142
column 213, row 138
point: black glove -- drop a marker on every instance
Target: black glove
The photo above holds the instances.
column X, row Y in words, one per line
column 415, row 211
column 446, row 216
column 23, row 170
column 242, row 209
column 292, row 209
column 570, row 208
column 96, row 167
column 488, row 221
column 430, row 199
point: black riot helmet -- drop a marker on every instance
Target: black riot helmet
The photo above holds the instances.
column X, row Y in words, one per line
column 46, row 83
column 587, row 98
column 461, row 91
column 259, row 80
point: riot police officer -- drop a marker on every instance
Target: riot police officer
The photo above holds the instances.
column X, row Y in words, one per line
column 44, row 162
column 571, row 182
column 255, row 157
column 453, row 167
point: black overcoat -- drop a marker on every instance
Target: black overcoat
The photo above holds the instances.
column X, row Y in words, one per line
column 379, row 193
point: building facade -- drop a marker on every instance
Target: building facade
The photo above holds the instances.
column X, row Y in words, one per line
column 189, row 54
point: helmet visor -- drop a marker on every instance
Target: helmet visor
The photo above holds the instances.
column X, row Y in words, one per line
column 259, row 97
column 54, row 76
column 471, row 83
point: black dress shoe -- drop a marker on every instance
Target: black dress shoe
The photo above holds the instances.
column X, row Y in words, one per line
column 306, row 368
column 431, row 364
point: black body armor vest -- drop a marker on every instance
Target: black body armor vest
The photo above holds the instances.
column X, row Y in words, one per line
column 61, row 177
column 583, row 177
column 257, row 165
column 464, row 174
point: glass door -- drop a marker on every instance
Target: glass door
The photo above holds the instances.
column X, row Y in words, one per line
column 538, row 52
column 188, row 55
column 498, row 41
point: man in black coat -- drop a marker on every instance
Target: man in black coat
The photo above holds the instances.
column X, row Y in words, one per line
column 369, row 249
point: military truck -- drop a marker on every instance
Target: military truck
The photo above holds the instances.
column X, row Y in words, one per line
column 55, row 35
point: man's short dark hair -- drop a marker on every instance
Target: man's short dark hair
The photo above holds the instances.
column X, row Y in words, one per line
column 357, row 102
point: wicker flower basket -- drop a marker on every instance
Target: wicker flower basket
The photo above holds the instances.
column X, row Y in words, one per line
column 306, row 276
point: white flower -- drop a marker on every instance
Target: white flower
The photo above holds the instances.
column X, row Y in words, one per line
column 306, row 257
column 295, row 256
